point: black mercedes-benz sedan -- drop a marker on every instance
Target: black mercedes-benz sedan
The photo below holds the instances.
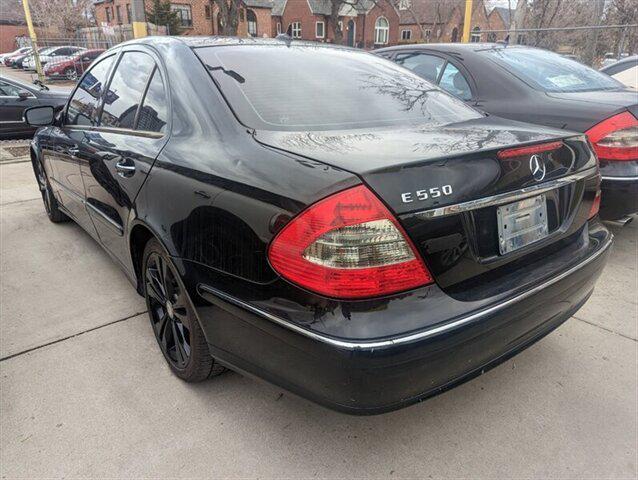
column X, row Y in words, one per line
column 16, row 97
column 538, row 86
column 320, row 217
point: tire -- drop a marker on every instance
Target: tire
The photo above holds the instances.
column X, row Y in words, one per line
column 173, row 318
column 48, row 198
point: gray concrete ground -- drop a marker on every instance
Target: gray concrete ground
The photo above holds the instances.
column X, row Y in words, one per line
column 84, row 391
column 29, row 77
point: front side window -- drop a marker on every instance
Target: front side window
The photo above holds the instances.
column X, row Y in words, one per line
column 550, row 72
column 126, row 89
column 184, row 14
column 381, row 31
column 454, row 82
column 320, row 29
column 82, row 109
column 424, row 65
column 294, row 88
column 406, row 34
column 251, row 18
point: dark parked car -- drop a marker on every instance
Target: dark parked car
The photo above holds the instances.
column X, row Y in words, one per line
column 72, row 67
column 534, row 85
column 15, row 98
column 364, row 240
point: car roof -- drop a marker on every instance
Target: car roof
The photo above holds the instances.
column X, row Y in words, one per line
column 220, row 41
column 456, row 47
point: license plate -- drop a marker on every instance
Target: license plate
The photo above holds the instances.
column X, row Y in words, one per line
column 521, row 223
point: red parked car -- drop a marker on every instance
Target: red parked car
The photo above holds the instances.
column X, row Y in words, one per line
column 72, row 67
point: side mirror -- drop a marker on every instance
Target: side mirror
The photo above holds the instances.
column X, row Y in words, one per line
column 39, row 116
column 23, row 94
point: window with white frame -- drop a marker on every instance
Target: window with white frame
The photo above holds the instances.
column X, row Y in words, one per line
column 427, row 33
column 251, row 19
column 404, row 4
column 476, row 35
column 295, row 29
column 340, row 23
column 381, row 31
column 406, row 34
column 320, row 29
column 278, row 28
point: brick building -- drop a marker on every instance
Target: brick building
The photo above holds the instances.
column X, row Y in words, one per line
column 443, row 21
column 12, row 27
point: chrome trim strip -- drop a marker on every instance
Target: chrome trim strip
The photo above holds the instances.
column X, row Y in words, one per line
column 415, row 336
column 106, row 219
column 620, row 179
column 507, row 197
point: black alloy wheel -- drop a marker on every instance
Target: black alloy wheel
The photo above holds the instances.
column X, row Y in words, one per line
column 173, row 318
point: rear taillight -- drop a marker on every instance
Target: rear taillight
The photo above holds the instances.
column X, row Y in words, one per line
column 595, row 206
column 616, row 138
column 348, row 245
column 531, row 150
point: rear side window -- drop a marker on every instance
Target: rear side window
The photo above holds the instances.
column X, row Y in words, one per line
column 274, row 87
column 8, row 90
column 424, row 65
column 454, row 82
column 550, row 72
column 82, row 108
column 153, row 114
column 126, row 90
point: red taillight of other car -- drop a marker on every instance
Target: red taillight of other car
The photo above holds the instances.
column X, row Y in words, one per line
column 595, row 206
column 616, row 138
column 348, row 246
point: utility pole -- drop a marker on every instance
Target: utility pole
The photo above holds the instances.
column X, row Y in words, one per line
column 139, row 19
column 34, row 39
column 467, row 21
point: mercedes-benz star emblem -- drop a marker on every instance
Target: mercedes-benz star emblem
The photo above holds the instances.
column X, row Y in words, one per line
column 537, row 167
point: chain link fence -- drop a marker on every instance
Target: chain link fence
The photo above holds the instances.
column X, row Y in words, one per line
column 66, row 58
column 593, row 45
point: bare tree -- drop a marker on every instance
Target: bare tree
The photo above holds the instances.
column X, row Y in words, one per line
column 62, row 17
column 228, row 15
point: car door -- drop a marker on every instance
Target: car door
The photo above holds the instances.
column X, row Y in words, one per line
column 12, row 108
column 62, row 150
column 120, row 151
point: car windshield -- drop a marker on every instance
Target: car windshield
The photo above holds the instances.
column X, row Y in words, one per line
column 549, row 71
column 307, row 87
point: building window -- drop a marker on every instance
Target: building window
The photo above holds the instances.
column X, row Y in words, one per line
column 118, row 14
column 381, row 31
column 251, row 18
column 207, row 12
column 184, row 14
column 129, row 17
column 491, row 37
column 320, row 30
column 278, row 28
column 406, row 34
column 404, row 4
column 427, row 33
column 108, row 15
column 340, row 23
column 476, row 35
column 295, row 29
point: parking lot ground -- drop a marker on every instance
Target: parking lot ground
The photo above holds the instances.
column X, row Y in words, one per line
column 85, row 392
column 29, row 77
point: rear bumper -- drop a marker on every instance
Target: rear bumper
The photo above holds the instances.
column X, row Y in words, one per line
column 382, row 374
column 619, row 197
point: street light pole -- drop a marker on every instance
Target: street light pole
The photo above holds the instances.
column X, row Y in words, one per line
column 467, row 21
column 139, row 19
column 34, row 39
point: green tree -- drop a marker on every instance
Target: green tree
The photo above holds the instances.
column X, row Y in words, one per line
column 161, row 14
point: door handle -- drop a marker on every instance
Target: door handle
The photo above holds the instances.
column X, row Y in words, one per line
column 73, row 151
column 125, row 168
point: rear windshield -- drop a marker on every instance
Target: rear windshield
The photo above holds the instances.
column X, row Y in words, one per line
column 549, row 71
column 274, row 87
